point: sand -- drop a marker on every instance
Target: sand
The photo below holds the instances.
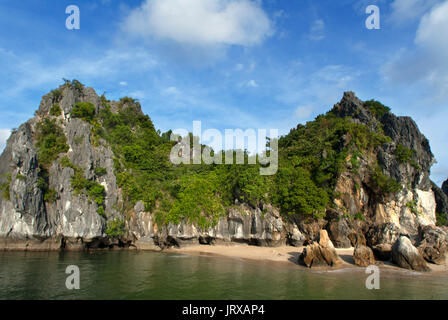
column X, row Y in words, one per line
column 284, row 255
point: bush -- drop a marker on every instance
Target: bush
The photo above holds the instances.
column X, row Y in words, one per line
column 441, row 220
column 405, row 155
column 377, row 108
column 66, row 163
column 93, row 189
column 55, row 110
column 84, row 111
column 101, row 212
column 99, row 171
column 50, row 196
column 297, row 194
column 115, row 228
column 5, row 187
column 51, row 141
column 384, row 184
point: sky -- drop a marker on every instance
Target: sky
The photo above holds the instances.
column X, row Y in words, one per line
column 230, row 64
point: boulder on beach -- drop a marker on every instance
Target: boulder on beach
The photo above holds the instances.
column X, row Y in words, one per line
column 363, row 256
column 433, row 245
column 405, row 255
column 320, row 252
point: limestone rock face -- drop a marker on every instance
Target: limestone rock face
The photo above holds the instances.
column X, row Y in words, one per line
column 384, row 218
column 363, row 256
column 320, row 253
column 70, row 217
column 405, row 255
column 445, row 187
column 441, row 200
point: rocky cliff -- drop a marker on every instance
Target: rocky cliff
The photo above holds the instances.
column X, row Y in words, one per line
column 76, row 197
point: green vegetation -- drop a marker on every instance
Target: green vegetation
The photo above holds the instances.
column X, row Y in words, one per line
column 50, row 140
column 383, row 184
column 312, row 156
column 412, row 205
column 55, row 110
column 99, row 171
column 441, row 220
column 50, row 196
column 80, row 184
column 5, row 187
column 377, row 108
column 84, row 111
column 57, row 94
column 405, row 155
column 43, row 183
column 115, row 228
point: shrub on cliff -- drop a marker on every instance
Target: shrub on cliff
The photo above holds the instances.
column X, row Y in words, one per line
column 4, row 187
column 84, row 111
column 377, row 108
column 51, row 141
column 115, row 228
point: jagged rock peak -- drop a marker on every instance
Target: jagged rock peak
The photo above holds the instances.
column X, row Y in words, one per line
column 70, row 93
column 351, row 106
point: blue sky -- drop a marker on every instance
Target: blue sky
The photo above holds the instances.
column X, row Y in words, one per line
column 232, row 63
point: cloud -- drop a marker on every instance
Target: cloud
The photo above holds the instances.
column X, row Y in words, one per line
column 200, row 22
column 408, row 11
column 252, row 84
column 425, row 64
column 123, row 83
column 317, row 30
column 4, row 135
column 27, row 71
column 171, row 91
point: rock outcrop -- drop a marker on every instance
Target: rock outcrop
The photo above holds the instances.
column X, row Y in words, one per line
column 445, row 187
column 320, row 253
column 363, row 256
column 433, row 244
column 405, row 255
column 441, row 202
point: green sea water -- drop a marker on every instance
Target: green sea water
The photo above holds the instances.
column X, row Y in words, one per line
column 154, row 275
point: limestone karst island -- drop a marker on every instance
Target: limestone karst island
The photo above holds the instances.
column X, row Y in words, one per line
column 352, row 189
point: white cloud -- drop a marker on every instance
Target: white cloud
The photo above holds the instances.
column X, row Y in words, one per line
column 252, row 84
column 201, row 22
column 171, row 91
column 123, row 83
column 426, row 64
column 28, row 72
column 408, row 11
column 317, row 30
column 4, row 135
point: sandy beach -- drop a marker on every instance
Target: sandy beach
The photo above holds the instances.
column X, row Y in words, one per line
column 286, row 256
